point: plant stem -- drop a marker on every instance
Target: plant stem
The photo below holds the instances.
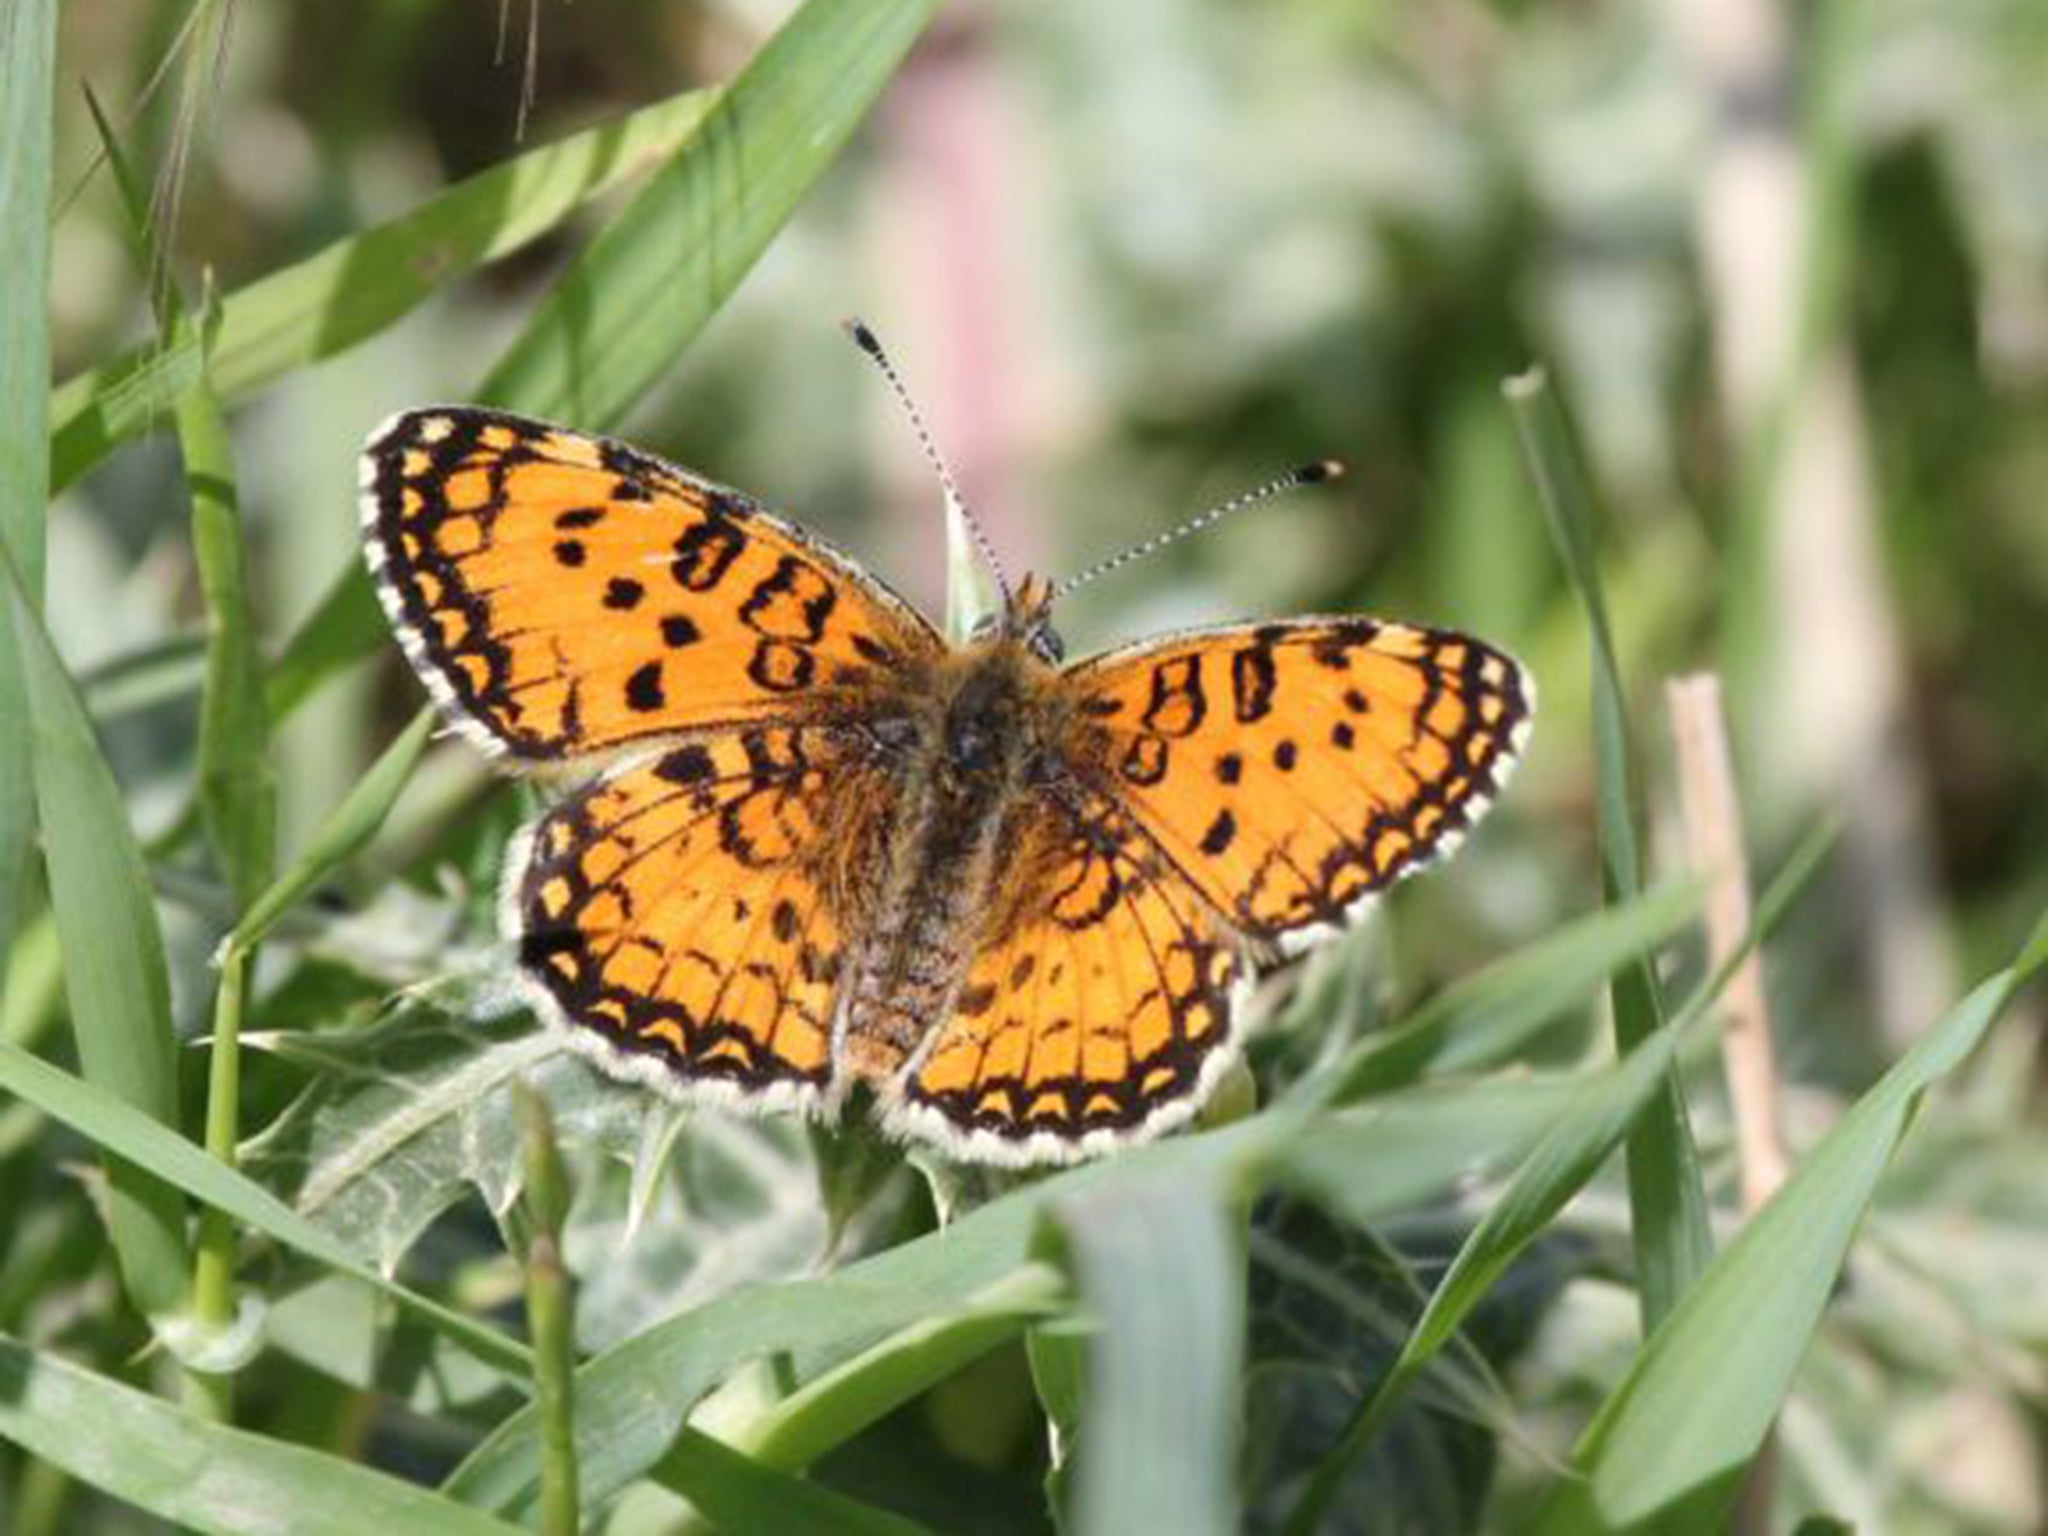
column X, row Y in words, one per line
column 213, row 1270
column 550, row 1315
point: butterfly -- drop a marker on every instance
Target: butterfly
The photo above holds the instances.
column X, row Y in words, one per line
column 809, row 844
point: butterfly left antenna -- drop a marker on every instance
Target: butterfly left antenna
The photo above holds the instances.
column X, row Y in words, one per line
column 871, row 344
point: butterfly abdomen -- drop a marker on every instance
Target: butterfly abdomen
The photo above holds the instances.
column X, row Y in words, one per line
column 969, row 762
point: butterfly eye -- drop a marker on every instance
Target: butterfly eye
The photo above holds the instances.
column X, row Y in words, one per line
column 1046, row 644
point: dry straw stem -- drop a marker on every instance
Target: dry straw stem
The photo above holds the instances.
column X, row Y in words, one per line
column 1713, row 835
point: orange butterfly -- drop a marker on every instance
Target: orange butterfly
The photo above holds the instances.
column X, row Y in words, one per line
column 816, row 845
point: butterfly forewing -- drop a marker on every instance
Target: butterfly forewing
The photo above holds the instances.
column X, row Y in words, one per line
column 565, row 595
column 1292, row 770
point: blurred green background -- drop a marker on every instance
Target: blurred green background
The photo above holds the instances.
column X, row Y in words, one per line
column 1788, row 267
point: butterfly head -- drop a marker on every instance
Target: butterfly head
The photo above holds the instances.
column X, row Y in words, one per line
column 1026, row 618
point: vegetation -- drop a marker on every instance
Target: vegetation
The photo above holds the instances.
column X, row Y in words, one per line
column 1707, row 338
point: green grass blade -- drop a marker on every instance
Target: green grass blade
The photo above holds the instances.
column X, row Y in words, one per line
column 344, row 627
column 633, row 1399
column 1667, row 1199
column 356, row 287
column 737, row 1494
column 1569, row 1153
column 1668, row 1448
column 199, row 1475
column 237, row 789
column 1485, row 1018
column 1160, row 1267
column 629, row 304
column 28, row 60
column 114, row 976
column 343, row 834
column 129, row 1134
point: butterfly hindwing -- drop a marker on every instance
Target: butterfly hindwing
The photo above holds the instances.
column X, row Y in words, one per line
column 687, row 917
column 1098, row 1007
column 563, row 594
column 1291, row 770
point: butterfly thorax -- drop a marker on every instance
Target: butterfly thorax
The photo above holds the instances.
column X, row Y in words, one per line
column 967, row 744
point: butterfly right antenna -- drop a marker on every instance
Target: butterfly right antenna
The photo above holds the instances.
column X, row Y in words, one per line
column 1318, row 473
column 871, row 344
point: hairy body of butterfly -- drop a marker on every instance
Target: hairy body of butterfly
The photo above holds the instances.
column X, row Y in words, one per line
column 815, row 845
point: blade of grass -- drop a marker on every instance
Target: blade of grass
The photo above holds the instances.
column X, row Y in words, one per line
column 201, row 1476
column 348, row 827
column 237, row 790
column 28, row 60
column 1667, row 1199
column 1568, row 1155
column 1667, row 1449
column 115, row 980
column 127, row 1133
column 1484, row 1018
column 354, row 288
column 1160, row 1267
column 634, row 298
column 634, row 1398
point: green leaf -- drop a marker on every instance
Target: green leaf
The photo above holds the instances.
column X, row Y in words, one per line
column 120, row 998
column 127, row 1133
column 1160, row 1266
column 28, row 57
column 401, row 1120
column 740, row 1495
column 1667, row 1199
column 354, row 288
column 632, row 1399
column 1668, row 1449
column 632, row 300
column 199, row 1475
column 795, row 1431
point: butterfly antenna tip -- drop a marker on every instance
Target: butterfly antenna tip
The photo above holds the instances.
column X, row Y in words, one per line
column 865, row 338
column 1320, row 472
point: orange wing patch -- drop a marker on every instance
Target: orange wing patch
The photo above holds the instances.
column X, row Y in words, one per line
column 1097, row 1008
column 685, row 917
column 563, row 594
column 1293, row 769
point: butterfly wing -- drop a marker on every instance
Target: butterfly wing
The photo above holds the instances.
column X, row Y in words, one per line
column 564, row 594
column 1097, row 1009
column 1292, row 770
column 686, row 917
